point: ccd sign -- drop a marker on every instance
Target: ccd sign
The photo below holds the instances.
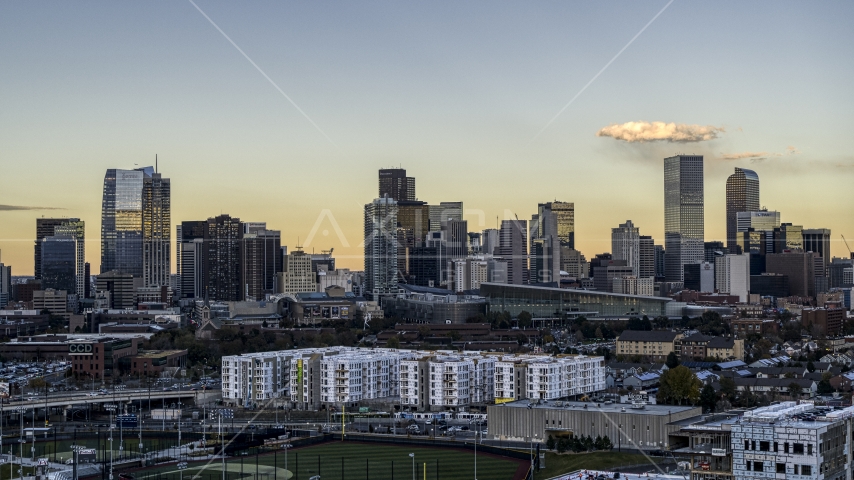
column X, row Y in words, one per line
column 80, row 348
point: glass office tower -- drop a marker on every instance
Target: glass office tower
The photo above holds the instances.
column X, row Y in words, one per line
column 683, row 213
column 742, row 195
column 121, row 221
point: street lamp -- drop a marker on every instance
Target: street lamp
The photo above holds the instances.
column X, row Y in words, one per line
column 286, row 447
column 181, row 466
column 227, row 413
column 412, row 456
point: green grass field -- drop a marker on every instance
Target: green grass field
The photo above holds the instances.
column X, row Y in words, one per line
column 358, row 460
column 569, row 462
column 10, row 471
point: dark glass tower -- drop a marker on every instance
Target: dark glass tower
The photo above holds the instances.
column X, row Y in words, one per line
column 394, row 183
column 742, row 195
column 121, row 221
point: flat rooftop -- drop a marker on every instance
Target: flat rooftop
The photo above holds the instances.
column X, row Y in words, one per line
column 159, row 353
column 657, row 410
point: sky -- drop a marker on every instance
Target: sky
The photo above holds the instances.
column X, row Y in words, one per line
column 284, row 111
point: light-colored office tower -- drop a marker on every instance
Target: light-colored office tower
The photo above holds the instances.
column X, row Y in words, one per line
column 489, row 240
column 742, row 195
column 573, row 263
column 513, row 249
column 625, row 245
column 683, row 213
column 732, row 275
column 443, row 212
column 298, row 276
column 381, row 248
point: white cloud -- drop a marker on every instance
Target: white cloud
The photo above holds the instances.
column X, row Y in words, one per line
column 792, row 150
column 660, row 132
column 749, row 155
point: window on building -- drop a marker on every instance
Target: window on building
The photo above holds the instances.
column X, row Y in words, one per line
column 781, row 468
column 757, row 466
column 786, row 447
column 764, row 446
column 753, row 444
column 776, row 447
column 809, row 449
column 798, row 448
column 747, row 444
column 806, row 469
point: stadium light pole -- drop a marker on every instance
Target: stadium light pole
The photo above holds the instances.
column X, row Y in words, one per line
column 412, row 456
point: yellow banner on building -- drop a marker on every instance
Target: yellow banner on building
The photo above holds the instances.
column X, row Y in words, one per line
column 299, row 374
column 499, row 401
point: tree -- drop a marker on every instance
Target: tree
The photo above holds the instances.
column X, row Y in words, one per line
column 795, row 390
column 563, row 444
column 728, row 389
column 672, row 360
column 708, row 397
column 824, row 386
column 550, row 443
column 37, row 383
column 524, row 319
column 678, row 385
column 810, row 365
column 393, row 342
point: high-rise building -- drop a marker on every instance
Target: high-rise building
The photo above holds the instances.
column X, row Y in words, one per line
column 788, row 237
column 732, row 275
column 59, row 263
column 564, row 217
column 45, row 227
column 546, row 243
column 443, row 212
column 573, row 263
column 189, row 256
column 121, row 221
column 489, row 241
column 700, row 277
column 659, row 262
column 512, row 248
column 381, row 247
column 222, row 265
column 646, row 257
column 756, row 244
column 156, row 230
column 683, row 213
column 757, row 220
column 712, row 250
column 818, row 240
column 394, row 184
column 298, row 276
column 625, row 245
column 836, row 273
column 119, row 287
column 457, row 238
column 742, row 195
column 413, row 219
column 261, row 259
column 799, row 267
column 5, row 283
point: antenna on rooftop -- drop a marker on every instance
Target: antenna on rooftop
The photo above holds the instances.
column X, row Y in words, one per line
column 155, row 163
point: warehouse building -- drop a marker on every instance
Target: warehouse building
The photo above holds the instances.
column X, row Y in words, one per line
column 646, row 427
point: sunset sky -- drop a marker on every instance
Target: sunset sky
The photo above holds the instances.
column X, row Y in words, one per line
column 499, row 104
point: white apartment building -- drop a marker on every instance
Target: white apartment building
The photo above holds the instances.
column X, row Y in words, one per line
column 421, row 380
column 255, row 379
column 732, row 275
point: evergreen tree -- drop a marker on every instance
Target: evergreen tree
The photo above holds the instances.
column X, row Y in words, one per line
column 672, row 360
column 708, row 398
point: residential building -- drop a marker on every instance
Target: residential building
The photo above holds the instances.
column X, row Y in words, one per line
column 256, row 378
column 630, row 285
column 742, row 195
column 700, row 347
column 222, row 261
column 653, row 344
column 732, row 275
column 824, row 321
column 683, row 213
column 394, row 184
column 381, row 248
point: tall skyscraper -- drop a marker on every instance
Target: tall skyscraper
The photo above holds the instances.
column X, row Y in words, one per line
column 222, row 264
column 261, row 259
column 59, row 263
column 683, row 213
column 742, row 195
column 512, row 248
column 121, row 221
column 788, row 237
column 457, row 238
column 394, row 184
column 818, row 240
column 73, row 227
column 646, row 265
column 45, row 227
column 156, row 230
column 732, row 275
column 189, row 257
column 5, row 283
column 625, row 245
column 381, row 247
column 413, row 219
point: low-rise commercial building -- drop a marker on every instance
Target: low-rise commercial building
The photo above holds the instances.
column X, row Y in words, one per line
column 653, row 344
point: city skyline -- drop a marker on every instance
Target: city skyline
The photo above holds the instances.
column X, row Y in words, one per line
column 458, row 103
